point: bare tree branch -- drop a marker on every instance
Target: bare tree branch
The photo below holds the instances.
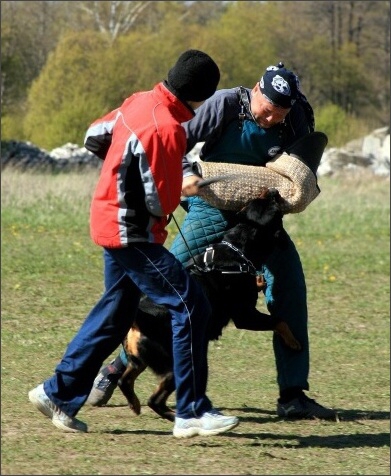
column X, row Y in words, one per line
column 114, row 17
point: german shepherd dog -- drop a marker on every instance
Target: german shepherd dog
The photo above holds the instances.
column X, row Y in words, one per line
column 227, row 272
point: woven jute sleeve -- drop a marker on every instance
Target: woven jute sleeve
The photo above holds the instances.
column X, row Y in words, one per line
column 294, row 180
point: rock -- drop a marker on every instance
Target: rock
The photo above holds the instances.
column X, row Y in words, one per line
column 371, row 152
column 26, row 156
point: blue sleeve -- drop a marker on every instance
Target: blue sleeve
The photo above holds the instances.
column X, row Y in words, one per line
column 211, row 118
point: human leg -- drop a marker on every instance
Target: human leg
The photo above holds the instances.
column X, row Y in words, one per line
column 286, row 297
column 202, row 226
column 161, row 277
column 107, row 379
column 99, row 335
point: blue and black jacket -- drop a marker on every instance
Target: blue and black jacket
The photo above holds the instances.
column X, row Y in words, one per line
column 226, row 126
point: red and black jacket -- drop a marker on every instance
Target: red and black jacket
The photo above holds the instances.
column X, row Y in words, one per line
column 142, row 143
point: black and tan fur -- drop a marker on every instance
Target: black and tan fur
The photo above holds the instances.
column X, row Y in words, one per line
column 232, row 288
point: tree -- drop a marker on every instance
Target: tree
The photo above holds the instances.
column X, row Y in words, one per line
column 243, row 53
column 114, row 17
column 340, row 52
column 357, row 33
column 29, row 31
column 69, row 91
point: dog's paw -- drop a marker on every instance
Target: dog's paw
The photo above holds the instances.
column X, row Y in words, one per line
column 161, row 409
column 290, row 340
column 134, row 404
column 136, row 408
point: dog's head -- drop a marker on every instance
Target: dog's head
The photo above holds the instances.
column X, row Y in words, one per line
column 264, row 210
column 245, row 246
column 227, row 269
column 259, row 225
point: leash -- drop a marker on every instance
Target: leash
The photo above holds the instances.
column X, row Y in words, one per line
column 184, row 240
column 202, row 183
column 249, row 268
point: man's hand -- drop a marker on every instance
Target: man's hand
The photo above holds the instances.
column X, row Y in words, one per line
column 189, row 185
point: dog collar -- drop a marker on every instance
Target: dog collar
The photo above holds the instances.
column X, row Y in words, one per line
column 245, row 267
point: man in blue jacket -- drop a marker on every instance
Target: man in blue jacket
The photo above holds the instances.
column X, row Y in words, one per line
column 249, row 127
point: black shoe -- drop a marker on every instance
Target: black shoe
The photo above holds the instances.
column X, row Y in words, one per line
column 303, row 407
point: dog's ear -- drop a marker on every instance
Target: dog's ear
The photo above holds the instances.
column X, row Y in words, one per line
column 263, row 210
column 275, row 194
column 242, row 213
column 260, row 211
column 264, row 192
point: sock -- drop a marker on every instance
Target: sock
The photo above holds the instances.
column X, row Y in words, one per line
column 123, row 357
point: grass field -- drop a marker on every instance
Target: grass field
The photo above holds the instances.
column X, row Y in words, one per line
column 52, row 276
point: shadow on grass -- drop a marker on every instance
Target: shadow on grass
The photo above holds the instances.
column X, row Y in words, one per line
column 286, row 441
column 344, row 415
column 282, row 440
column 355, row 440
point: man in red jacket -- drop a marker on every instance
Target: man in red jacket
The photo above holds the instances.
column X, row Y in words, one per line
column 142, row 144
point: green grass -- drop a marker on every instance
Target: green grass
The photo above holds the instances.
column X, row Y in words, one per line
column 52, row 276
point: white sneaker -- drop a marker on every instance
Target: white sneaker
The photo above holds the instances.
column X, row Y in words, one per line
column 211, row 423
column 38, row 397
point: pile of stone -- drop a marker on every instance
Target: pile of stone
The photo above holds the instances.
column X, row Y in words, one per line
column 26, row 156
column 372, row 152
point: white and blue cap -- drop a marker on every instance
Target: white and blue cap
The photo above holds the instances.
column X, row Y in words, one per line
column 280, row 86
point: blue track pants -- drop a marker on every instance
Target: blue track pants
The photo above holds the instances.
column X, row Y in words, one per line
column 141, row 268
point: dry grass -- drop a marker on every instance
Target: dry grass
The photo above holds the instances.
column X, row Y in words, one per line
column 52, row 276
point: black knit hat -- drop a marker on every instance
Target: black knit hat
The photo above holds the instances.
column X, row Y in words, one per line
column 280, row 86
column 194, row 77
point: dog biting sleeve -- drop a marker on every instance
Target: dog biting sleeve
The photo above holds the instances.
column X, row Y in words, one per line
column 292, row 178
